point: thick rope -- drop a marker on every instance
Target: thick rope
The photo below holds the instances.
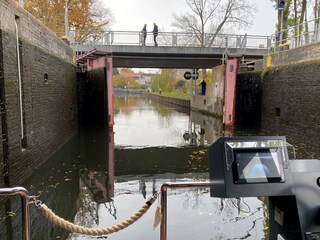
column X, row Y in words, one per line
column 51, row 216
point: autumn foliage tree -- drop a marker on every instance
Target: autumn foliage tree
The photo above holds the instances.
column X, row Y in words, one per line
column 86, row 18
column 120, row 81
column 165, row 81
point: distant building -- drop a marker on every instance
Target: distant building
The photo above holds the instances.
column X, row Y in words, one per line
column 142, row 78
column 129, row 74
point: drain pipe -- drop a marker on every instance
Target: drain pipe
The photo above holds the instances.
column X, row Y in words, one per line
column 19, row 80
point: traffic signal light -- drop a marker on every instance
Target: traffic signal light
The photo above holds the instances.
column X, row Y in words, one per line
column 281, row 3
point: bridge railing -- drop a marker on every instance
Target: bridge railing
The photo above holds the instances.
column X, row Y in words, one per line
column 295, row 36
column 175, row 39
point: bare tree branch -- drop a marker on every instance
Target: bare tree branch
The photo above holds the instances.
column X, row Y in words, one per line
column 213, row 16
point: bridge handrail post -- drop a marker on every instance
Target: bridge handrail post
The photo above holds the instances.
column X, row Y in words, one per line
column 226, row 44
column 140, row 39
column 206, row 40
column 112, row 38
column 238, row 41
column 107, row 39
column 268, row 42
column 174, row 39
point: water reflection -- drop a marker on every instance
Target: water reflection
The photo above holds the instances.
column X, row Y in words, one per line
column 156, row 150
column 101, row 178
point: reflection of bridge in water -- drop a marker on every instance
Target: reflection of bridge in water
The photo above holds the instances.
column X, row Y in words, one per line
column 174, row 50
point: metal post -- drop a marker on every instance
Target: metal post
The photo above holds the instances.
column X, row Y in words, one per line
column 174, row 39
column 21, row 3
column 24, row 205
column 163, row 223
column 191, row 87
column 315, row 38
column 268, row 43
column 318, row 25
column 281, row 25
column 164, row 187
column 298, row 36
column 66, row 20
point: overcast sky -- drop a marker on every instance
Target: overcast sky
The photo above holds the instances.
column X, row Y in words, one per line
column 131, row 15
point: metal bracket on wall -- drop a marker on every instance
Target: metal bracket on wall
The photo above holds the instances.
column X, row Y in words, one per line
column 2, row 109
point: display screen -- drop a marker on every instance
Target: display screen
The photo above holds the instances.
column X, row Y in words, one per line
column 257, row 166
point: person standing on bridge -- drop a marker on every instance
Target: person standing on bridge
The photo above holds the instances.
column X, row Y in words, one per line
column 155, row 34
column 144, row 33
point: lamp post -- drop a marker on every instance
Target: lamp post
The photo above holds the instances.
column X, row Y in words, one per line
column 281, row 25
column 281, row 5
column 66, row 20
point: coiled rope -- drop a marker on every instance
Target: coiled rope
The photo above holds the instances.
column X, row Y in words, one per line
column 51, row 216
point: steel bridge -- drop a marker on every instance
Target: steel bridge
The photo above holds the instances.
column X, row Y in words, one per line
column 174, row 50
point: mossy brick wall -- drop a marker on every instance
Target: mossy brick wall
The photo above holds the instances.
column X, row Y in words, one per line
column 290, row 101
column 49, row 99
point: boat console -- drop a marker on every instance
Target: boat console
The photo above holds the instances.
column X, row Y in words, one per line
column 265, row 166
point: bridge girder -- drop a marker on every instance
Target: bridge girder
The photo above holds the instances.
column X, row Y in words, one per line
column 168, row 57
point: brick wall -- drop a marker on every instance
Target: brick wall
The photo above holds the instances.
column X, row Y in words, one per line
column 49, row 103
column 290, row 101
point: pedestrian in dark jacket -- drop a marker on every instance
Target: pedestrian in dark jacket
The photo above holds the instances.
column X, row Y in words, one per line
column 155, row 34
column 203, row 87
column 144, row 33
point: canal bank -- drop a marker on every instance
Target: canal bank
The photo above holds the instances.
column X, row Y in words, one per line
column 182, row 104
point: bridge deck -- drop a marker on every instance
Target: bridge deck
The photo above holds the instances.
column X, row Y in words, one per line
column 169, row 57
column 174, row 50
